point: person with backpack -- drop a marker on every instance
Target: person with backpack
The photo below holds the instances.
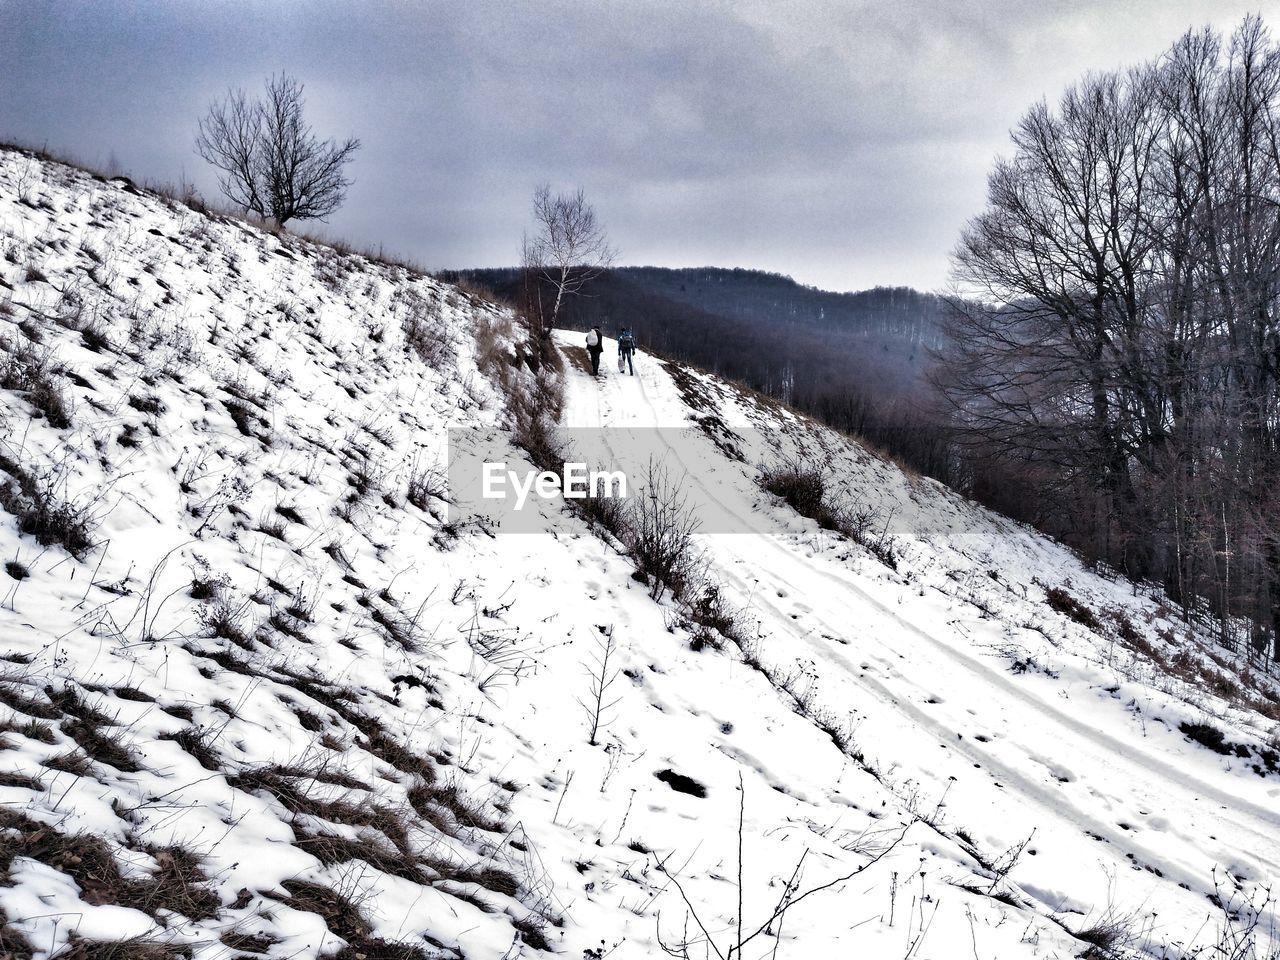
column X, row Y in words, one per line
column 595, row 346
column 626, row 348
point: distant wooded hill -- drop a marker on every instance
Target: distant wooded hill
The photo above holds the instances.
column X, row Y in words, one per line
column 855, row 360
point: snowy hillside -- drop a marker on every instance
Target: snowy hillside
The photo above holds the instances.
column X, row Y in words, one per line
column 262, row 695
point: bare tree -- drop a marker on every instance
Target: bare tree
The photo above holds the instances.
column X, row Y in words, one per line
column 569, row 248
column 601, row 674
column 271, row 162
column 1116, row 349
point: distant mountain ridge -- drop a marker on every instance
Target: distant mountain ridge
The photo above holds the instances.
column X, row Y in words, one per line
column 857, row 361
column 757, row 294
column 740, row 294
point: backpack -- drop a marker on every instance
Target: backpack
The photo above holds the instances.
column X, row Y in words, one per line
column 626, row 341
column 592, row 339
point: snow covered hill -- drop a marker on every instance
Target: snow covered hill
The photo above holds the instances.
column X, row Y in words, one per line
column 263, row 694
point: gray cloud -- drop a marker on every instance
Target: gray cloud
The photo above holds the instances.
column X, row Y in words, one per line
column 844, row 143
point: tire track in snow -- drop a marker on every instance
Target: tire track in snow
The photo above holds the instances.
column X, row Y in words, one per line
column 1099, row 750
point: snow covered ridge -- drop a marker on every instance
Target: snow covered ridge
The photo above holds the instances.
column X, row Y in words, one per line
column 262, row 697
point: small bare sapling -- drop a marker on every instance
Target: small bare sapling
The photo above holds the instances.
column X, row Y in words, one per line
column 601, row 674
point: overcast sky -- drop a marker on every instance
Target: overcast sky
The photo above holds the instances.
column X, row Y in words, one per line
column 843, row 143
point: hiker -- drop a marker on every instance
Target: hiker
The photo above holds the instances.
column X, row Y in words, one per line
column 595, row 345
column 626, row 348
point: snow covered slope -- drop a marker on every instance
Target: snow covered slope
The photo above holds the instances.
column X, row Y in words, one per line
column 262, row 696
column 974, row 702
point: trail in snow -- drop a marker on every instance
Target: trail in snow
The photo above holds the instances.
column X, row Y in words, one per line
column 923, row 691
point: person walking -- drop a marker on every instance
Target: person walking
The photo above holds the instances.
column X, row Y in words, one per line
column 595, row 346
column 626, row 348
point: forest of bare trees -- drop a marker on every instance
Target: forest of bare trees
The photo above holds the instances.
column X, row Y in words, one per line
column 1114, row 362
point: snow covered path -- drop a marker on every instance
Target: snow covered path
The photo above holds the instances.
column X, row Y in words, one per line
column 1117, row 798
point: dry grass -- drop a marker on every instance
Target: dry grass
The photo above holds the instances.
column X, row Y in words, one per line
column 332, row 849
column 135, row 948
column 73, row 762
column 247, row 942
column 373, row 948
column 13, row 696
column 426, row 334
column 390, row 751
column 108, row 748
column 176, row 886
column 426, row 485
column 803, row 489
column 494, row 333
column 199, row 744
column 36, row 501
column 14, row 944
column 286, row 784
column 446, row 807
column 340, row 913
column 1059, row 599
column 18, row 779
column 225, row 618
column 34, row 372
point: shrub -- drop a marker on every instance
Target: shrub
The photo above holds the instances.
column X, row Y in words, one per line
column 205, row 585
column 1207, row 735
column 607, row 513
column 804, row 488
column 426, row 483
column 659, row 533
column 223, row 617
column 714, row 619
column 1112, row 936
column 1063, row 602
column 801, row 487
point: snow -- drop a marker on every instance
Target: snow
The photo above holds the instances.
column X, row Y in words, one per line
column 977, row 716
